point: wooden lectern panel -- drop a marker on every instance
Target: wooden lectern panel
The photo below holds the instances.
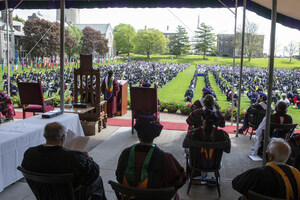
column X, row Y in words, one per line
column 122, row 98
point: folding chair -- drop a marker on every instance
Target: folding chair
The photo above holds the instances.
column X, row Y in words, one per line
column 51, row 186
column 197, row 162
column 124, row 192
column 255, row 119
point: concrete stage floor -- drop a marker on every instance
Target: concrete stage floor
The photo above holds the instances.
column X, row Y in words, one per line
column 106, row 146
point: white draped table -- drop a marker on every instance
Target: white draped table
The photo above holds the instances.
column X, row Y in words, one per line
column 17, row 137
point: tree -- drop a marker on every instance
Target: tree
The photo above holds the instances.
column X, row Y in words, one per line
column 123, row 36
column 291, row 49
column 43, row 34
column 253, row 41
column 93, row 40
column 205, row 38
column 149, row 41
column 76, row 33
column 70, row 44
column 16, row 18
column 179, row 43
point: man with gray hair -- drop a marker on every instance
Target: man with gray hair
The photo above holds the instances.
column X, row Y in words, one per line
column 276, row 179
column 53, row 158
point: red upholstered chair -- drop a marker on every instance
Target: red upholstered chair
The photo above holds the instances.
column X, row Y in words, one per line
column 143, row 101
column 32, row 98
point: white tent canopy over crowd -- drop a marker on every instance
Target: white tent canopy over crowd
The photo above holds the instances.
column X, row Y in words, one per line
column 284, row 11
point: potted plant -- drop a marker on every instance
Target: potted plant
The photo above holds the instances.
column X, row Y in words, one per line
column 185, row 109
column 172, row 107
column 163, row 105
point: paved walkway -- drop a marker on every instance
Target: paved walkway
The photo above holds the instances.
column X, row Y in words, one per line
column 106, row 147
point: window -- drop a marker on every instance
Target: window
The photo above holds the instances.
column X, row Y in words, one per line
column 16, row 41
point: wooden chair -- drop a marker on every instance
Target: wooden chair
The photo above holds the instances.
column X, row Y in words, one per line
column 282, row 130
column 50, row 186
column 87, row 89
column 32, row 98
column 124, row 192
column 143, row 101
column 255, row 119
column 255, row 196
column 198, row 163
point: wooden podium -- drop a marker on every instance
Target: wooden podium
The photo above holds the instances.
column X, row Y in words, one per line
column 122, row 98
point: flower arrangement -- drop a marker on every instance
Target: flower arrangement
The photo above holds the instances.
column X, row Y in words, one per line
column 227, row 113
column 185, row 109
column 163, row 105
column 172, row 107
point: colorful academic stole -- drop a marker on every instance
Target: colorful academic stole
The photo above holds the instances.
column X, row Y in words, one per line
column 288, row 187
column 129, row 173
column 109, row 87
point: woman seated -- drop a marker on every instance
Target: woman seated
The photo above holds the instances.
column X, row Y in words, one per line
column 279, row 117
column 203, row 125
column 6, row 106
column 195, row 119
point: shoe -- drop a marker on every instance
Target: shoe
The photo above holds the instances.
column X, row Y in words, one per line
column 240, row 131
column 211, row 181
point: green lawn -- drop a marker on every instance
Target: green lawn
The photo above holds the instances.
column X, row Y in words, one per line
column 282, row 63
column 174, row 90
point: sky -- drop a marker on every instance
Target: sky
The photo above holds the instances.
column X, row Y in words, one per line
column 221, row 19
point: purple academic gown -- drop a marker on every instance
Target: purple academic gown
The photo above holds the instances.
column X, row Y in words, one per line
column 111, row 107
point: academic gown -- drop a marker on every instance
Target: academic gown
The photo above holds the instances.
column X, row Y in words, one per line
column 111, row 106
column 265, row 181
column 163, row 170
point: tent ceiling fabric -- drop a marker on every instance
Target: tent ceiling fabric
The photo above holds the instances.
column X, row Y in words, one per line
column 286, row 7
column 288, row 13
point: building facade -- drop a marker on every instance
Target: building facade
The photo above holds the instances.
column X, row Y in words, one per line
column 225, row 44
column 72, row 16
column 15, row 29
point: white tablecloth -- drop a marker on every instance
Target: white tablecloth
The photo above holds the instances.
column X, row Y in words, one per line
column 17, row 137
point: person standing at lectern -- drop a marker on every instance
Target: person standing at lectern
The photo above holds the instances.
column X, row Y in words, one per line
column 110, row 89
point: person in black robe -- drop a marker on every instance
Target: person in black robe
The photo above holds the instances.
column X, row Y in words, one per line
column 260, row 105
column 110, row 89
column 163, row 170
column 52, row 158
column 271, row 180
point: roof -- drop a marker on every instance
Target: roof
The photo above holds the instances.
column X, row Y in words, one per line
column 288, row 13
column 99, row 27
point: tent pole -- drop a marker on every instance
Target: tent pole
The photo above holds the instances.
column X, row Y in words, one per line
column 233, row 64
column 62, row 48
column 270, row 79
column 7, row 42
column 241, row 67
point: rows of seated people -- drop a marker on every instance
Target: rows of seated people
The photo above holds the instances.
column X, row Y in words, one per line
column 189, row 93
column 136, row 72
column 285, row 83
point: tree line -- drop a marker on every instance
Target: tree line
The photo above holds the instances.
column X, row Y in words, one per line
column 42, row 39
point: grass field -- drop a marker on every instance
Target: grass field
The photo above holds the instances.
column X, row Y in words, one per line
column 282, row 63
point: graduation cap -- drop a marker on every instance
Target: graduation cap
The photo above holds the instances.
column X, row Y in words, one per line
column 207, row 91
column 263, row 95
column 147, row 127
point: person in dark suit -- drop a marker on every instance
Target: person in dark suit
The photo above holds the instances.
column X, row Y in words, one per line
column 53, row 158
